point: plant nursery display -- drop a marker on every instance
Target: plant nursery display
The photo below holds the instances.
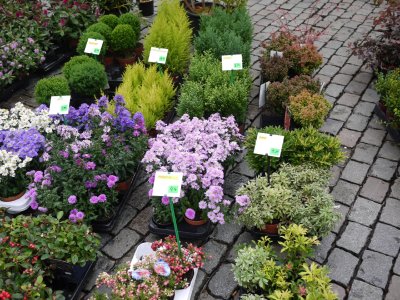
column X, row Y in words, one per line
column 388, row 87
column 224, row 33
column 51, row 86
column 304, row 145
column 200, row 149
column 27, row 246
column 102, row 28
column 155, row 276
column 80, row 49
column 296, row 194
column 209, row 90
column 123, row 43
column 148, row 91
column 274, row 69
column 88, row 154
column 260, row 270
column 170, row 30
column 109, row 19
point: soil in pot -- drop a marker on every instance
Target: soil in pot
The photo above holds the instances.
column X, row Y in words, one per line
column 12, row 198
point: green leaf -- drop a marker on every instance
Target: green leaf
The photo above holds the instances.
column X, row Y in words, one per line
column 74, row 259
column 60, row 215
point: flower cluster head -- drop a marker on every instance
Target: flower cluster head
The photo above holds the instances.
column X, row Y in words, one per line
column 10, row 163
column 198, row 148
column 25, row 143
column 76, row 216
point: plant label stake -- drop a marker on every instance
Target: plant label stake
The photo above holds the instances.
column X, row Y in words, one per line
column 232, row 63
column 169, row 184
column 322, row 87
column 59, row 105
column 158, row 55
column 93, row 46
column 273, row 53
column 263, row 94
column 269, row 145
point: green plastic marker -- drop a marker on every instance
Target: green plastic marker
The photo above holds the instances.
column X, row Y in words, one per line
column 171, row 206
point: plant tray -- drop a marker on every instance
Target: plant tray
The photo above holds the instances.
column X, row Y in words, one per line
column 54, row 61
column 186, row 231
column 70, row 280
column 145, row 249
column 12, row 88
column 394, row 133
column 273, row 120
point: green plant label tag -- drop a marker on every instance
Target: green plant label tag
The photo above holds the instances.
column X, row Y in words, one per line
column 167, row 184
column 158, row 55
column 268, row 144
column 93, row 46
column 232, row 62
column 59, row 105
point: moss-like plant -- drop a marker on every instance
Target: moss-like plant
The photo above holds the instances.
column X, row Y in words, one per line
column 309, row 109
column 123, row 40
column 91, row 35
column 388, row 86
column 170, row 30
column 304, row 145
column 101, row 28
column 51, row 86
column 148, row 91
column 131, row 19
column 208, row 90
column 110, row 20
column 224, row 33
column 76, row 60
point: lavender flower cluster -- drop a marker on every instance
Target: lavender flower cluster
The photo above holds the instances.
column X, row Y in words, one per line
column 25, row 143
column 197, row 148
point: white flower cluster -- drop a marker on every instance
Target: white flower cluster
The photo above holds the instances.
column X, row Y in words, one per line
column 21, row 117
column 10, row 163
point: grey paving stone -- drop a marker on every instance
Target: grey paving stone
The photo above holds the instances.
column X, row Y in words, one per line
column 128, row 213
column 328, row 70
column 349, row 138
column 355, row 87
column 370, row 95
column 365, row 153
column 375, row 268
column 103, row 264
column 223, row 283
column 390, row 151
column 391, row 212
column 327, row 52
column 331, row 126
column 349, row 99
column 140, row 198
column 376, row 123
column 334, row 45
column 384, row 169
column 385, row 239
column 349, row 69
column 244, row 169
column 206, row 296
column 373, row 136
column 226, row 233
column 340, row 112
column 364, row 211
column 354, row 237
column 355, row 172
column 375, row 189
column 363, row 77
column 343, row 211
column 345, row 192
column 394, row 289
column 341, row 79
column 244, row 238
column 342, row 265
column 364, row 108
column 200, row 280
column 335, row 175
column 105, row 237
column 357, row 122
column 396, row 268
column 339, row 291
column 321, row 251
column 364, row 291
column 214, row 252
column 395, row 189
column 334, row 90
column 142, row 220
column 121, row 244
column 337, row 60
column 233, row 182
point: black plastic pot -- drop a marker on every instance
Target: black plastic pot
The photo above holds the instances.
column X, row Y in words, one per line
column 146, row 8
column 195, row 18
column 186, row 231
column 7, row 93
column 380, row 111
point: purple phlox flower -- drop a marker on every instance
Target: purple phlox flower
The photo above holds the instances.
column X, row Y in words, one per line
column 202, row 204
column 90, row 165
column 30, row 173
column 42, row 209
column 151, row 179
column 242, row 200
column 80, row 215
column 112, row 180
column 190, row 213
column 119, row 100
column 38, row 176
column 72, row 199
column 150, row 193
column 103, row 102
column 55, row 168
column 86, row 156
column 105, row 138
column 34, row 205
column 226, row 202
column 102, row 198
column 94, row 200
column 165, row 200
column 102, row 177
column 90, row 184
column 46, row 182
column 25, row 143
column 30, row 40
column 64, row 154
column 45, row 156
column 215, row 193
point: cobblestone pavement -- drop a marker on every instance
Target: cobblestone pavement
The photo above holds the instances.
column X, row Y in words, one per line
column 362, row 251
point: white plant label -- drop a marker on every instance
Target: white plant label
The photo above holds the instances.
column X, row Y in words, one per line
column 273, row 53
column 158, row 55
column 322, row 87
column 59, row 105
column 269, row 144
column 232, row 62
column 167, row 184
column 262, row 94
column 93, row 46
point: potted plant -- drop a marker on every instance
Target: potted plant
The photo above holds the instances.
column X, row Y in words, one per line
column 110, row 20
column 309, row 109
column 146, row 7
column 115, row 6
column 157, row 271
column 296, row 194
column 123, row 43
column 273, row 69
column 194, row 147
column 135, row 22
column 262, row 271
column 51, row 86
column 170, row 30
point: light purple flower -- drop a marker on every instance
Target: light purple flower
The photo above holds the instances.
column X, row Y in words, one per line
column 90, row 165
column 38, row 176
column 80, row 215
column 72, row 199
column 165, row 200
column 242, row 200
column 42, row 209
column 102, row 198
column 150, row 193
column 112, row 180
column 202, row 204
column 190, row 214
column 34, row 205
column 94, row 200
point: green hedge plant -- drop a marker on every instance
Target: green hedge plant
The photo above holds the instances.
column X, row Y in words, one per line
column 111, row 20
column 51, row 86
column 91, row 35
column 124, row 40
column 388, row 87
column 101, row 28
column 132, row 20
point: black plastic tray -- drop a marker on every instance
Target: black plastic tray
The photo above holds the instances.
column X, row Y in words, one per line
column 7, row 93
column 186, row 231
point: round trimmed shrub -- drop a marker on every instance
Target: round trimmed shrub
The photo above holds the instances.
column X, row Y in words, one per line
column 52, row 86
column 91, row 35
column 132, row 20
column 76, row 60
column 110, row 20
column 123, row 38
column 101, row 28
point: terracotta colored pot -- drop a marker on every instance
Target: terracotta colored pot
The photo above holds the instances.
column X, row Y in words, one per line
column 123, row 186
column 272, row 228
column 123, row 62
column 241, row 128
column 108, row 60
column 139, row 50
column 12, row 198
column 195, row 222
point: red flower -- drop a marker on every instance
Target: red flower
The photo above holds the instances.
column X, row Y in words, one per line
column 62, row 22
column 4, row 295
column 19, row 14
column 302, row 291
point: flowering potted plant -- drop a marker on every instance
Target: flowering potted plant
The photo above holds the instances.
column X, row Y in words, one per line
column 199, row 148
column 156, row 273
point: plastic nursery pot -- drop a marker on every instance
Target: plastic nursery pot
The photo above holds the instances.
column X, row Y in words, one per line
column 161, row 225
column 146, row 7
column 195, row 222
column 139, row 50
column 108, row 60
column 123, row 186
column 12, row 198
column 194, row 17
column 123, row 62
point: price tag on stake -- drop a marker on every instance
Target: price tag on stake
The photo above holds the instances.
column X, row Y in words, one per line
column 167, row 184
column 93, row 46
column 59, row 105
column 273, row 53
column 263, row 94
column 269, row 144
column 158, row 55
column 232, row 62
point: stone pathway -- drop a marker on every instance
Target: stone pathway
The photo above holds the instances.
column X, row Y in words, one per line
column 362, row 251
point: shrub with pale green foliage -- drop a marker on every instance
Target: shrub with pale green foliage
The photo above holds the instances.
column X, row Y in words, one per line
column 170, row 30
